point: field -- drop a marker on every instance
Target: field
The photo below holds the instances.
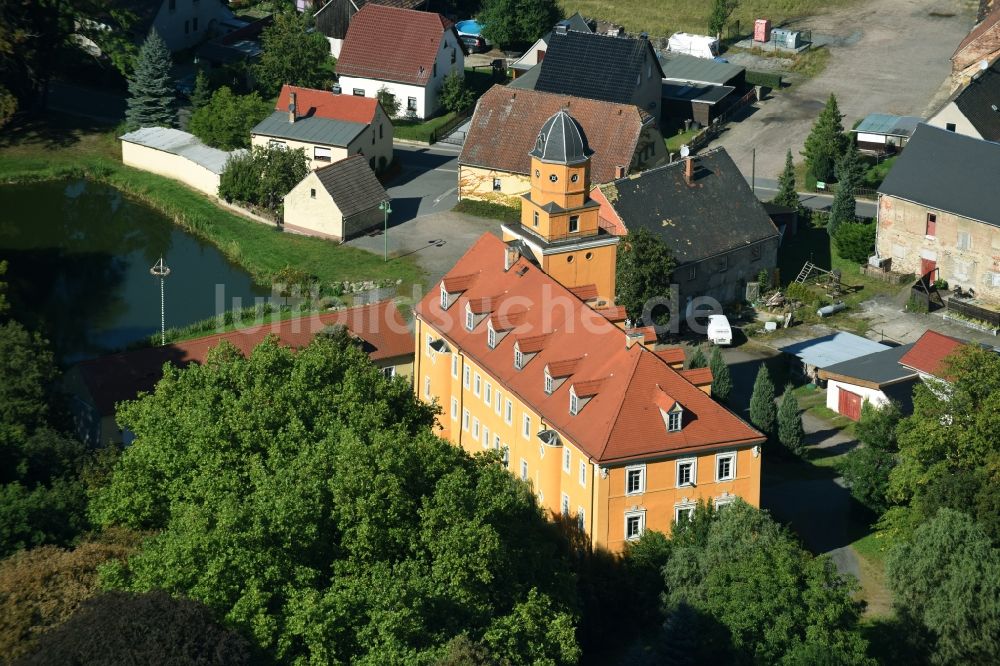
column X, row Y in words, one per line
column 661, row 18
column 64, row 147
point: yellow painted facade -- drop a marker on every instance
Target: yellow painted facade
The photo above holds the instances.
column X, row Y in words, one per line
column 480, row 414
column 172, row 166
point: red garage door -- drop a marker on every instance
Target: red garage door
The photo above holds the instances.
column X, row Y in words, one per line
column 850, row 405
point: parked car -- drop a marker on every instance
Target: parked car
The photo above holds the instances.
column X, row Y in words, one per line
column 719, row 331
column 475, row 43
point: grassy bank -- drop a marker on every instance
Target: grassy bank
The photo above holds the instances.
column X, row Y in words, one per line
column 661, row 19
column 64, row 147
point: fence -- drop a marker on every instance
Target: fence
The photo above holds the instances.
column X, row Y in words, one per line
column 859, row 192
column 440, row 133
column 991, row 317
column 886, row 276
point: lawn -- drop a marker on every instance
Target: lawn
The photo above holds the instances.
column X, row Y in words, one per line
column 424, row 131
column 675, row 142
column 66, row 147
column 661, row 19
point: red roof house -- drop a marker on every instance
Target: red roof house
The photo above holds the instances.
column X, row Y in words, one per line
column 404, row 51
column 929, row 352
column 313, row 103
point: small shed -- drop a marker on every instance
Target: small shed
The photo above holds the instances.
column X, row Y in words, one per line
column 822, row 352
column 877, row 378
column 699, row 89
column 884, row 133
column 337, row 202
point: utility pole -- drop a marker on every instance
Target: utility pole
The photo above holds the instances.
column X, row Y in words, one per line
column 753, row 173
column 161, row 271
column 386, row 208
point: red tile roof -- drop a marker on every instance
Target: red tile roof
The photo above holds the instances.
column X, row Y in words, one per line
column 563, row 368
column 111, row 379
column 698, row 376
column 585, row 292
column 310, row 102
column 672, row 356
column 928, row 353
column 622, row 421
column 992, row 19
column 392, row 44
column 612, row 130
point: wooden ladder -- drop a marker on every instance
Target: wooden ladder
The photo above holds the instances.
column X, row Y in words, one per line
column 806, row 271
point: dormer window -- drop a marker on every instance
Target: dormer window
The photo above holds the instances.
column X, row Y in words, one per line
column 674, row 420
column 470, row 318
column 518, row 358
column 574, row 403
column 549, row 384
column 491, row 336
column 445, row 300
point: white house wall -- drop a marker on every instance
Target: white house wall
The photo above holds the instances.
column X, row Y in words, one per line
column 169, row 23
column 426, row 97
column 874, row 396
column 951, row 114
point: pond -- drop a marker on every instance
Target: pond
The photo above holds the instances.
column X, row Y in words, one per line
column 79, row 255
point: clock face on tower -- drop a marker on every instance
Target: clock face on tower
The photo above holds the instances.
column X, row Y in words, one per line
column 575, row 177
column 553, row 177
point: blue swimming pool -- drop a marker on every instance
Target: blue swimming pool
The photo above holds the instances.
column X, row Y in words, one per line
column 469, row 27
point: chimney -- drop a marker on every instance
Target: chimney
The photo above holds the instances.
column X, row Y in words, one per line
column 510, row 257
column 561, row 28
column 644, row 35
column 619, row 171
column 689, row 170
column 291, row 107
column 336, row 89
column 632, row 337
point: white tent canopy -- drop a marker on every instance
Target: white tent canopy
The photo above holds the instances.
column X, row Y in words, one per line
column 700, row 46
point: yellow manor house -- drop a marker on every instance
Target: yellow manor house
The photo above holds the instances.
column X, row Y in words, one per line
column 517, row 346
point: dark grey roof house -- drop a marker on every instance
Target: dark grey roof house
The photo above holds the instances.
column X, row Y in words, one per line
column 975, row 109
column 877, row 377
column 623, row 70
column 699, row 89
column 702, row 208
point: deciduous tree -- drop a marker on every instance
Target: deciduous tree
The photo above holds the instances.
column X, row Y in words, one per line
column 390, row 103
column 518, row 22
column 293, row 54
column 263, row 176
column 866, row 469
column 643, row 273
column 312, row 506
column 225, row 122
column 721, row 11
column 455, row 95
column 763, row 412
column 947, row 580
column 151, row 88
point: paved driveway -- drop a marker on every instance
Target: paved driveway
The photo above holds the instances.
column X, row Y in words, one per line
column 890, row 56
column 427, row 183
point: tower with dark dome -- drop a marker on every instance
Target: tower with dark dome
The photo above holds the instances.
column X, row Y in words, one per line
column 559, row 221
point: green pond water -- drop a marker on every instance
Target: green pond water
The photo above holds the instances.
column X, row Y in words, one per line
column 79, row 255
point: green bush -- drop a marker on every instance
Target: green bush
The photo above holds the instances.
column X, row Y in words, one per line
column 767, row 79
column 225, row 122
column 800, row 292
column 489, row 210
column 855, row 241
column 263, row 176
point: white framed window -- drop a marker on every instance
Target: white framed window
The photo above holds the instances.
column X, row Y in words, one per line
column 358, row 92
column 454, row 409
column 683, row 512
column 674, row 420
column 488, row 394
column 321, row 154
column 635, row 479
column 444, row 297
column 477, row 385
column 724, row 500
column 574, row 223
column 725, row 466
column 518, row 359
column 486, row 437
column 549, row 384
column 508, row 412
column 389, row 371
column 496, row 441
column 574, row 403
column 581, row 520
column 635, row 524
column 466, row 374
column 524, row 469
column 427, row 346
column 567, row 459
column 583, row 473
column 497, row 185
column 454, row 365
column 506, row 455
column 465, row 419
column 497, row 407
column 470, row 319
column 427, row 386
column 475, row 427
column 526, row 427
column 564, row 504
column 687, row 472
column 271, row 143
column 491, row 337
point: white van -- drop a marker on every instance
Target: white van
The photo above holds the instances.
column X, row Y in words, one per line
column 719, row 330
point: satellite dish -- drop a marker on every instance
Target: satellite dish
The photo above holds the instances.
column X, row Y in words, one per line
column 984, row 64
column 685, row 151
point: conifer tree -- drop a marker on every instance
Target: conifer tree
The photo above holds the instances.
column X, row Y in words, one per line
column 790, row 431
column 762, row 410
column 722, row 382
column 844, row 204
column 698, row 359
column 787, row 195
column 826, row 142
column 202, row 94
column 151, row 89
